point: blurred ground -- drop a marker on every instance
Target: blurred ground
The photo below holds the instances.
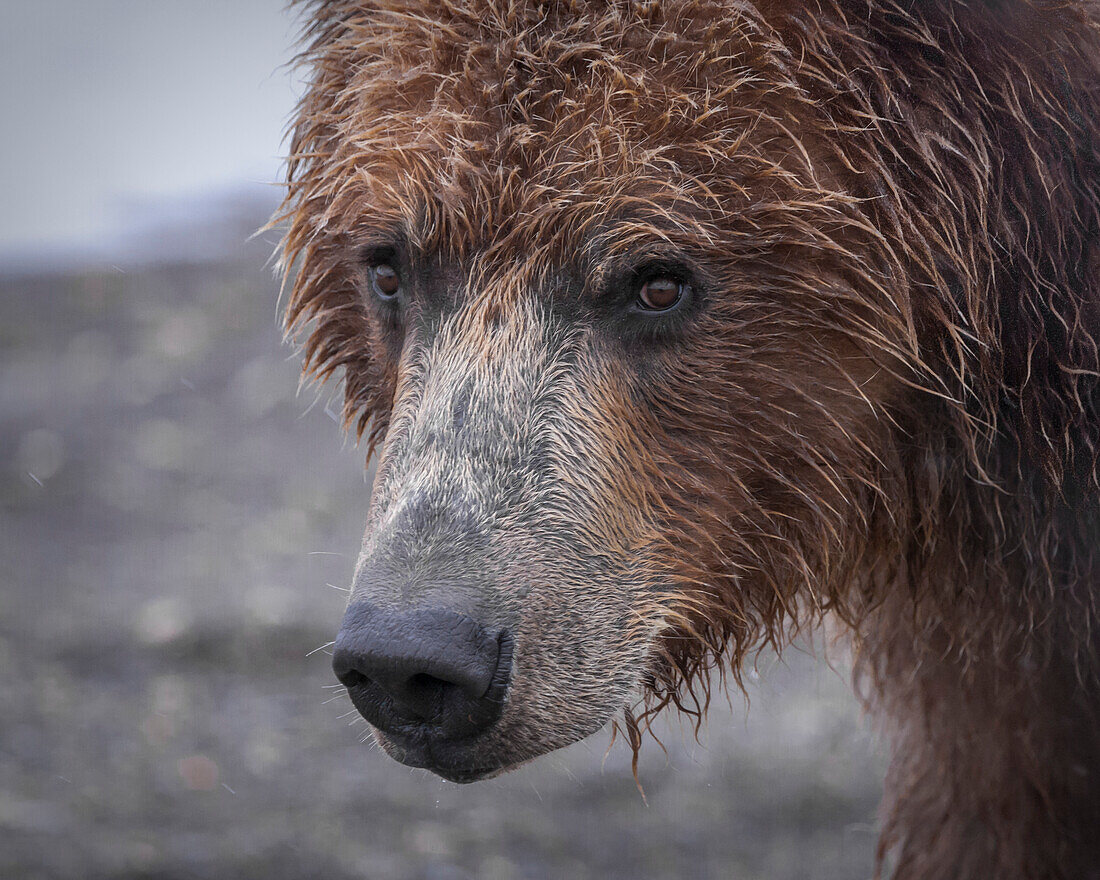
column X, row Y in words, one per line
column 170, row 515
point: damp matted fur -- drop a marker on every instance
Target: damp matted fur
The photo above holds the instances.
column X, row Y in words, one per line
column 886, row 409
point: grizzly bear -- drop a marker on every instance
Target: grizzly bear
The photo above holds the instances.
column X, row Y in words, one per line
column 680, row 326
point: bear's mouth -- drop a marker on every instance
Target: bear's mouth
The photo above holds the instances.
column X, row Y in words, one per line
column 461, row 761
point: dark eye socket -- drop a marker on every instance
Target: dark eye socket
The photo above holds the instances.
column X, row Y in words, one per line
column 659, row 293
column 385, row 281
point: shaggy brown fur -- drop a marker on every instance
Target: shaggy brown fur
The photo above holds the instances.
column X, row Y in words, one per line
column 881, row 405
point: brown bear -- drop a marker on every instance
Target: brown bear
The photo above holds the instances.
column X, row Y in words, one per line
column 682, row 325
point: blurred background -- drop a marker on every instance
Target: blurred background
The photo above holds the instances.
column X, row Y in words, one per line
column 178, row 522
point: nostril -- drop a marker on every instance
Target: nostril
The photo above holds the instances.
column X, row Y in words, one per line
column 352, row 678
column 347, row 667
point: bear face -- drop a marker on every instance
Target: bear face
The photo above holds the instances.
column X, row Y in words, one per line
column 678, row 326
column 625, row 484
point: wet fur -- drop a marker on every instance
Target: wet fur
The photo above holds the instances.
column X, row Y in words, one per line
column 886, row 409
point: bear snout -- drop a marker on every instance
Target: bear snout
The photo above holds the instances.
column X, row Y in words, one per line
column 427, row 675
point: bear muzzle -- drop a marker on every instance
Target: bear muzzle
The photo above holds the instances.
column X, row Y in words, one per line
column 431, row 680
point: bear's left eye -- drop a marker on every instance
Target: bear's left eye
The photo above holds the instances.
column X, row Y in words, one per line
column 661, row 293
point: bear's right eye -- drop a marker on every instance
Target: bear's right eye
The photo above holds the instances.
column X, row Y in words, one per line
column 384, row 281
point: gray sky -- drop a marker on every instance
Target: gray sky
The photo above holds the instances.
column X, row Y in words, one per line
column 113, row 111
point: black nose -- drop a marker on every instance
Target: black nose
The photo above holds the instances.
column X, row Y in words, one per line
column 432, row 669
